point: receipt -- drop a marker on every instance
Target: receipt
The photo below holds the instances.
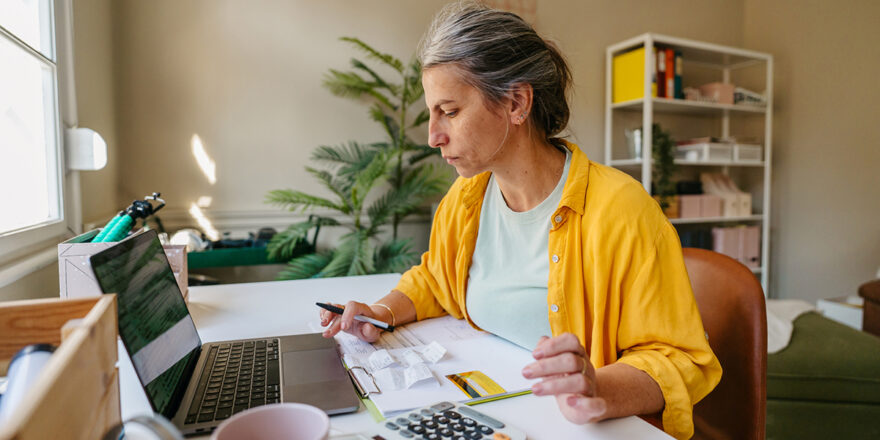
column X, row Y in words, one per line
column 390, row 379
column 380, row 359
column 433, row 352
column 419, row 373
column 410, row 358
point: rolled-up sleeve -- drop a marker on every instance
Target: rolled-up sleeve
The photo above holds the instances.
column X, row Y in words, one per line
column 661, row 333
column 429, row 285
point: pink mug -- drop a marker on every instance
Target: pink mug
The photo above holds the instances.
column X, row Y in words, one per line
column 292, row 421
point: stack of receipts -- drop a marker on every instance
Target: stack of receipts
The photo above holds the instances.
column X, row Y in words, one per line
column 432, row 360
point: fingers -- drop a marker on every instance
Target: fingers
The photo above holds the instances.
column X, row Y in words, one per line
column 562, row 364
column 548, row 347
column 563, row 384
column 579, row 409
column 346, row 322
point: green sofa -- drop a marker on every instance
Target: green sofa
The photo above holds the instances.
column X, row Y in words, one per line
column 825, row 384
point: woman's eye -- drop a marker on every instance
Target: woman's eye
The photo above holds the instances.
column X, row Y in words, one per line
column 450, row 113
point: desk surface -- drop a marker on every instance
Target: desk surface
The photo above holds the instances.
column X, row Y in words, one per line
column 234, row 311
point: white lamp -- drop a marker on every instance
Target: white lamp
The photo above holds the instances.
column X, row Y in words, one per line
column 85, row 148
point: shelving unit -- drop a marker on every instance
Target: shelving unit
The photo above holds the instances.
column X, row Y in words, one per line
column 720, row 63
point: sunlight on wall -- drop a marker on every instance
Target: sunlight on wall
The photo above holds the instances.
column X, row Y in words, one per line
column 209, row 168
column 203, row 222
column 204, row 201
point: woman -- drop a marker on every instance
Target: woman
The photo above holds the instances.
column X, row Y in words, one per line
column 535, row 240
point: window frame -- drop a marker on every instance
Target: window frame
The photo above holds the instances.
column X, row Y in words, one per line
column 19, row 242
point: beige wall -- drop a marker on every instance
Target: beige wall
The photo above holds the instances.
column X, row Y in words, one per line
column 93, row 64
column 826, row 211
column 246, row 77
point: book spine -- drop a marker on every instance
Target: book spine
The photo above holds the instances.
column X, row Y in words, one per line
column 661, row 72
column 670, row 73
column 679, row 90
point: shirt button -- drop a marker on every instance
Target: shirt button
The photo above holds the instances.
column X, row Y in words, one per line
column 554, row 308
column 555, row 258
column 557, row 219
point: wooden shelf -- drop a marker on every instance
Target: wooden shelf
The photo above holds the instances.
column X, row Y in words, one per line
column 697, row 220
column 638, row 162
column 681, row 106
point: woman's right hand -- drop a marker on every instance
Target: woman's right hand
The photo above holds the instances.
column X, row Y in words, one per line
column 345, row 322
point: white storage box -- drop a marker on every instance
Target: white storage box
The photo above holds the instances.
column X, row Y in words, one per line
column 76, row 279
column 746, row 153
column 704, row 152
column 846, row 310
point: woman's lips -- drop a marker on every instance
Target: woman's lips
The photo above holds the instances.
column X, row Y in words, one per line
column 450, row 159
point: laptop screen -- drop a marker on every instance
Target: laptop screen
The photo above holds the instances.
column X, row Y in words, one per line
column 154, row 323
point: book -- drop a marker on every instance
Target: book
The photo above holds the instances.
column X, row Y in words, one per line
column 628, row 76
column 661, row 72
column 679, row 90
column 670, row 73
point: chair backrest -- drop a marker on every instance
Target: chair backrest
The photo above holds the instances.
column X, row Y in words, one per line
column 731, row 304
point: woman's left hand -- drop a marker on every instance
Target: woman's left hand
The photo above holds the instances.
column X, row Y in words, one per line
column 567, row 374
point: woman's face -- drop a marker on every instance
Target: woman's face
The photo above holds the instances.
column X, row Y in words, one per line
column 469, row 134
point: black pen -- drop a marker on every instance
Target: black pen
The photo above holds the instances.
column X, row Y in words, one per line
column 361, row 318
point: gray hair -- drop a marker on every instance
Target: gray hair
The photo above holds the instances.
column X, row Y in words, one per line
column 495, row 50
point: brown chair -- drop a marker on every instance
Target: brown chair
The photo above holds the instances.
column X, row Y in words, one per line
column 731, row 304
column 870, row 291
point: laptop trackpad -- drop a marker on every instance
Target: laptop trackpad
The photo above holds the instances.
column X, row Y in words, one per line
column 310, row 366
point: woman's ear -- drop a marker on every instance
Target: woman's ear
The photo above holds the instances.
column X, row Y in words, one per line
column 520, row 103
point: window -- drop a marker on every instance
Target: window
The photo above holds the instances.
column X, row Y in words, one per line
column 31, row 171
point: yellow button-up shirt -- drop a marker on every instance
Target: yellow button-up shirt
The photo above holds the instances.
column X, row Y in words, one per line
column 617, row 280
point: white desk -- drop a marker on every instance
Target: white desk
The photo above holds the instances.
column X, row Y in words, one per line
column 235, row 311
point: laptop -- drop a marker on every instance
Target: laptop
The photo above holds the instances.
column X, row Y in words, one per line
column 196, row 385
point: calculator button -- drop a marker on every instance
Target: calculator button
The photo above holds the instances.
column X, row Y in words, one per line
column 431, row 436
column 418, row 429
column 500, row 436
column 452, row 415
column 469, row 422
column 457, row 427
column 402, row 422
column 485, row 429
column 426, row 412
column 392, row 426
column 414, row 416
column 459, row 437
column 473, row 435
column 442, row 406
column 430, row 424
column 406, row 434
column 445, row 432
column 441, row 419
column 470, row 412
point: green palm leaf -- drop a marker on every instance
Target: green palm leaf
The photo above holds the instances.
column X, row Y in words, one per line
column 351, row 85
column 293, row 200
column 395, row 256
column 284, row 244
column 306, row 266
column 421, row 118
column 377, row 80
column 352, row 257
column 394, row 63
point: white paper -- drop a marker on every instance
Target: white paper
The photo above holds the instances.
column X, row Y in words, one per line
column 433, row 352
column 410, row 358
column 468, row 349
column 419, row 374
column 380, row 359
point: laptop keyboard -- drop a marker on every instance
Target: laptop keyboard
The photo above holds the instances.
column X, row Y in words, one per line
column 237, row 376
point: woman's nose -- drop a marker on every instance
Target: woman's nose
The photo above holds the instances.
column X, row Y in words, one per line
column 436, row 137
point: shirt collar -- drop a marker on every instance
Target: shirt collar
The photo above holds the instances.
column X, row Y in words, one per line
column 573, row 194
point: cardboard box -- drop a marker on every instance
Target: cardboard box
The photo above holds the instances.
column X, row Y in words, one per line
column 75, row 275
column 721, row 93
column 76, row 395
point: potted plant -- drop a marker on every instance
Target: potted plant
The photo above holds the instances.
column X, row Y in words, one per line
column 353, row 170
column 662, row 170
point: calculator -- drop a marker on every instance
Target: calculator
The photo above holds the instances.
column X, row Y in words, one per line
column 444, row 421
